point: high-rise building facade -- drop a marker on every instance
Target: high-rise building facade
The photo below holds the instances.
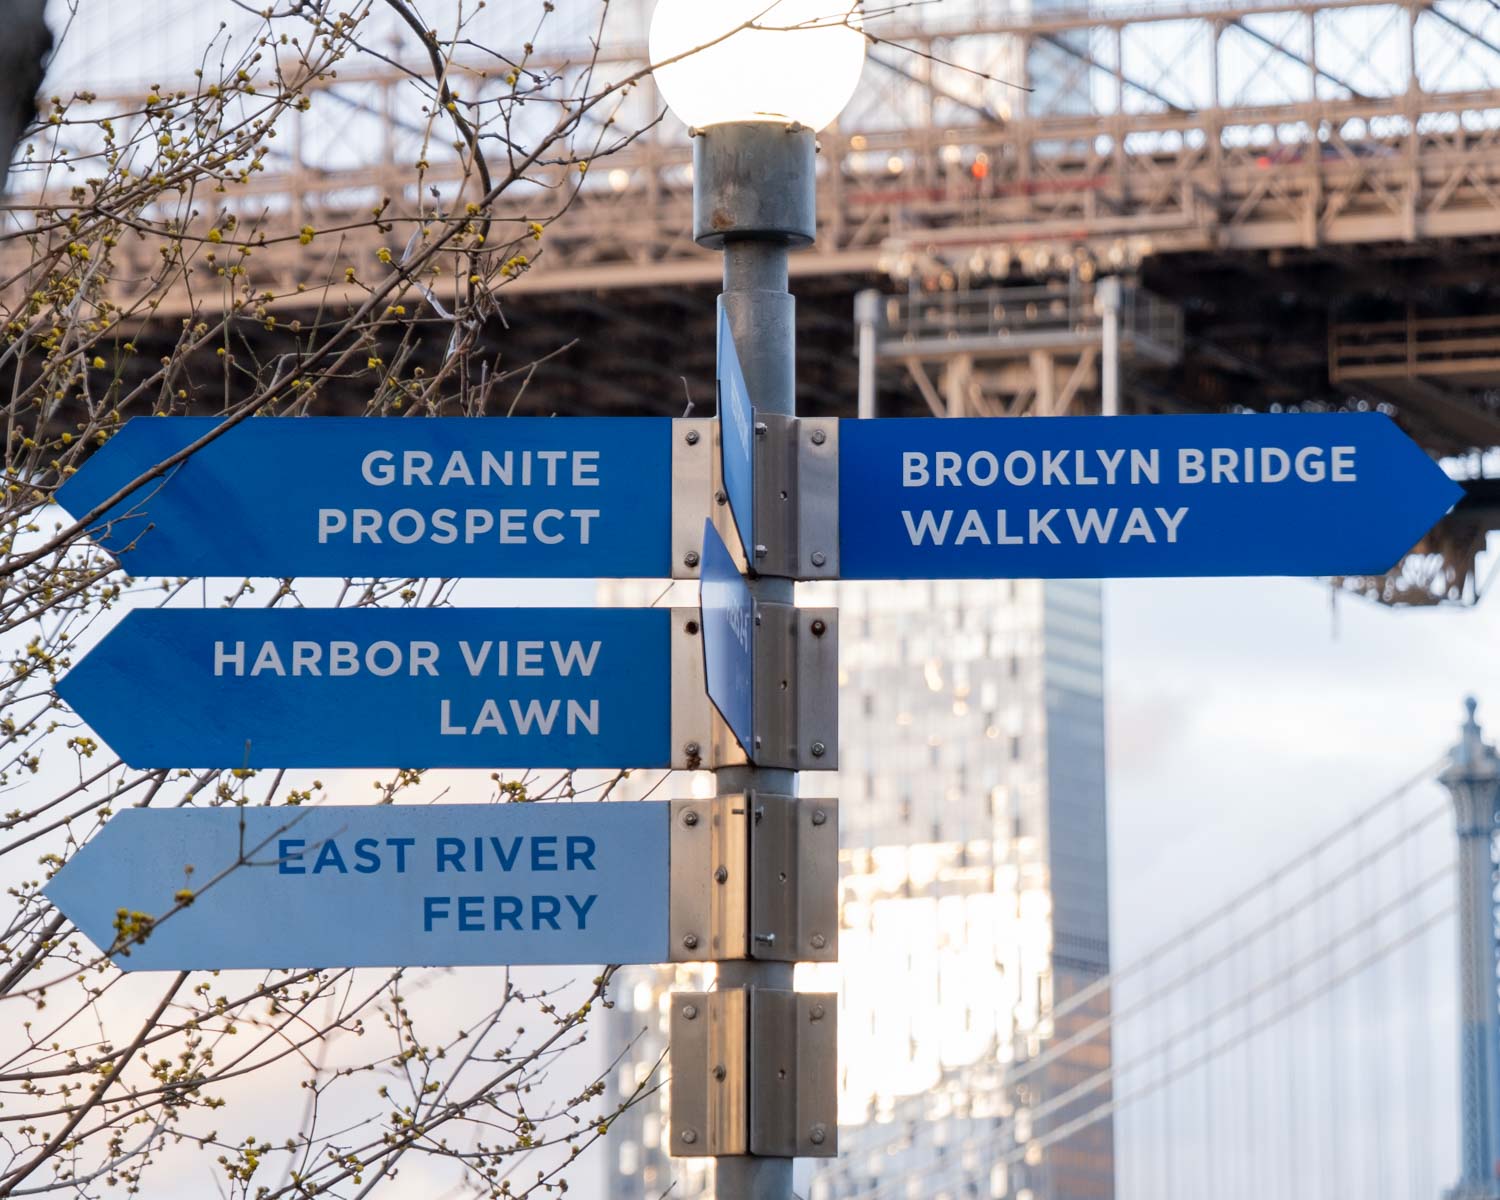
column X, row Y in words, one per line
column 974, row 906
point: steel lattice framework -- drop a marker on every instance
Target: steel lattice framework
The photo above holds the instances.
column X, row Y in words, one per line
column 1316, row 185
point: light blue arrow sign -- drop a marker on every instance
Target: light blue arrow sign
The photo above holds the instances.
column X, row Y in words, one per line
column 728, row 638
column 1105, row 497
column 498, row 687
column 374, row 886
column 736, row 437
column 371, row 496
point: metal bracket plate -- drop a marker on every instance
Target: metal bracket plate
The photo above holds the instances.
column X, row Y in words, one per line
column 796, row 688
column 708, row 892
column 694, row 465
column 754, row 1072
column 754, row 877
column 794, row 1074
column 700, row 739
column 794, row 878
column 796, row 497
column 709, row 1094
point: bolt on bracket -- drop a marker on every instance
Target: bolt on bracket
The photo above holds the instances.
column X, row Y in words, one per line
column 754, row 1072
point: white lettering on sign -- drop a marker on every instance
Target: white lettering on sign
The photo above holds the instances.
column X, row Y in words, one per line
column 1036, row 526
column 1021, row 468
column 447, row 526
column 508, row 468
column 1268, row 464
column 1108, row 468
column 511, row 716
column 520, row 659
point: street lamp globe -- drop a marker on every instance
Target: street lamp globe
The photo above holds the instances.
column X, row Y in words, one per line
column 799, row 63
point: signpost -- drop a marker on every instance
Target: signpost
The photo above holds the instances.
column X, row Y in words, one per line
column 374, row 886
column 1096, row 497
column 372, row 496
column 371, row 687
column 728, row 611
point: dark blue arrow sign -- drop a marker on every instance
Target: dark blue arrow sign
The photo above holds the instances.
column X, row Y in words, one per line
column 342, row 496
column 728, row 612
column 501, row 687
column 1104, row 497
column 736, row 437
column 376, row 886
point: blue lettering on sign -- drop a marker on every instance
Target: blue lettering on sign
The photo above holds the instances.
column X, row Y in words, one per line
column 507, row 883
column 339, row 496
column 376, row 687
column 728, row 611
column 736, row 437
column 1097, row 497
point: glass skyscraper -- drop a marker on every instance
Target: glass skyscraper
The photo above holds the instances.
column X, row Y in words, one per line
column 974, row 905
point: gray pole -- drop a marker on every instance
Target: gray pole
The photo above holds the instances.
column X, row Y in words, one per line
column 753, row 197
column 1108, row 294
column 866, row 321
column 1472, row 777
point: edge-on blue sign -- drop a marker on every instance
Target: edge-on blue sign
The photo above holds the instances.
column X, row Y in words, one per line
column 373, row 496
column 371, row 687
column 736, row 437
column 375, row 886
column 1106, row 497
column 728, row 612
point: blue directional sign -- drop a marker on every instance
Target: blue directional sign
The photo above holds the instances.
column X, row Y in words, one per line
column 374, row 496
column 373, row 886
column 1095, row 497
column 369, row 687
column 728, row 638
column 736, row 438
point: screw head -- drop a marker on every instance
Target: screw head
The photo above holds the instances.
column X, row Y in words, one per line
column 817, row 1135
column 690, row 942
column 690, row 1012
column 720, row 498
column 691, row 558
column 690, row 817
column 818, row 941
column 820, row 817
column 818, row 437
column 817, row 1012
column 691, row 627
column 721, row 875
column 819, row 627
column 720, row 1072
column 818, row 749
column 819, row 558
column 692, row 437
column 689, row 1137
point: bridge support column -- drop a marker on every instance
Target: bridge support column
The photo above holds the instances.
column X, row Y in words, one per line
column 1472, row 777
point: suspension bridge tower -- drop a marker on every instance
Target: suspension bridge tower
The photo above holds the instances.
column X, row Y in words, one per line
column 1473, row 778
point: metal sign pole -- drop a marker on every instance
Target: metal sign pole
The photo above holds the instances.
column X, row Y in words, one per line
column 753, row 197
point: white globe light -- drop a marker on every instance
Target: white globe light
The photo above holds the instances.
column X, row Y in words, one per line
column 801, row 63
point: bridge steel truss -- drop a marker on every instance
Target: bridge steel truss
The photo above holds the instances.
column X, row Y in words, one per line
column 1314, row 182
column 1214, row 128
